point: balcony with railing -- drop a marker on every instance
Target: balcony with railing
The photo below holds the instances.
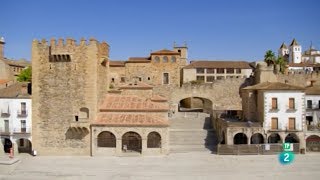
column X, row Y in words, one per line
column 21, row 130
column 22, row 114
column 313, row 127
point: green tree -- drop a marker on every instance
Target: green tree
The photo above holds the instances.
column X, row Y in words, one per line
column 269, row 57
column 282, row 63
column 25, row 75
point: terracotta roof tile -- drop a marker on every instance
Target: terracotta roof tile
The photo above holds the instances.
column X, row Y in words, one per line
column 218, row 64
column 117, row 63
column 14, row 91
column 158, row 98
column 165, row 52
column 313, row 90
column 130, row 120
column 130, row 103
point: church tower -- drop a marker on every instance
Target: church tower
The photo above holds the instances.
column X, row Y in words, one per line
column 294, row 52
column 283, row 50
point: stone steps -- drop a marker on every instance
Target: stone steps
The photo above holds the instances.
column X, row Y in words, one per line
column 189, row 134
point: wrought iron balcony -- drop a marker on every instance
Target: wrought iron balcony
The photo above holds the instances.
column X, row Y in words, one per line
column 5, row 114
column 21, row 130
column 22, row 114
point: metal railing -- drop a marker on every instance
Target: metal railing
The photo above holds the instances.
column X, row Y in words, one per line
column 22, row 114
column 22, row 130
column 253, row 149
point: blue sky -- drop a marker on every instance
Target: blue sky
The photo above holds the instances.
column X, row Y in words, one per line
column 212, row 29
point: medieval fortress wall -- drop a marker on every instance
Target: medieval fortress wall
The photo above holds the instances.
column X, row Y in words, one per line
column 66, row 77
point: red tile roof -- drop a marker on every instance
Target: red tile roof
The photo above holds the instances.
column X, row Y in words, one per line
column 165, row 52
column 130, row 120
column 130, row 103
column 117, row 63
column 218, row 64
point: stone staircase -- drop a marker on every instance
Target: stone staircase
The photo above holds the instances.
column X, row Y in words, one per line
column 191, row 131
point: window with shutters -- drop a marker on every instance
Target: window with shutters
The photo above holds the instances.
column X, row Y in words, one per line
column 291, row 103
column 292, row 124
column 274, row 103
column 274, row 123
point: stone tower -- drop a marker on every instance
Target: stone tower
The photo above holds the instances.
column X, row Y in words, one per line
column 294, row 52
column 183, row 50
column 283, row 50
column 68, row 79
column 2, row 42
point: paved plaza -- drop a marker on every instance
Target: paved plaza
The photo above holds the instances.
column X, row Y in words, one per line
column 195, row 165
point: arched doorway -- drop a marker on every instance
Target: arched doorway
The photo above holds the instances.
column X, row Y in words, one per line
column 106, row 139
column 292, row 138
column 131, row 141
column 240, row 138
column 24, row 145
column 274, row 138
column 257, row 138
column 154, row 140
column 313, row 143
column 7, row 144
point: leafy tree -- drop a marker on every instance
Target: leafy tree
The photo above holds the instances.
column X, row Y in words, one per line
column 282, row 63
column 269, row 57
column 25, row 75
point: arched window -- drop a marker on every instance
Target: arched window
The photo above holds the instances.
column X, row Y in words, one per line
column 106, row 139
column 240, row 138
column 131, row 141
column 156, row 59
column 257, row 138
column 165, row 59
column 154, row 140
column 84, row 113
column 274, row 138
column 173, row 59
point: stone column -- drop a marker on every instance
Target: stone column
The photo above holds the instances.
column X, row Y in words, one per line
column 144, row 146
column 118, row 146
column 15, row 148
column 2, row 153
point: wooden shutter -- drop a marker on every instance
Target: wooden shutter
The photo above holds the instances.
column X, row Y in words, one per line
column 274, row 123
column 291, row 103
column 274, row 103
column 292, row 123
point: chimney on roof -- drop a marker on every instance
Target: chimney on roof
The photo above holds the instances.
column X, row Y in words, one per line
column 24, row 89
column 2, row 42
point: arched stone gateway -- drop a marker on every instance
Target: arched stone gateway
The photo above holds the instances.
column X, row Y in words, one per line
column 24, row 145
column 195, row 104
column 274, row 138
column 240, row 138
column 131, row 141
column 154, row 140
column 257, row 138
column 313, row 143
column 106, row 139
column 292, row 138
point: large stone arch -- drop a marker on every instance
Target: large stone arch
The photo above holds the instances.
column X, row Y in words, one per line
column 206, row 103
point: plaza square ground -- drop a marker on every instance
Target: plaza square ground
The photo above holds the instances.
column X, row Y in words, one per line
column 194, row 165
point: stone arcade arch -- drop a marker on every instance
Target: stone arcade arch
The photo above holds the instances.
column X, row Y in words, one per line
column 240, row 138
column 106, row 139
column 274, row 138
column 195, row 104
column 257, row 138
column 24, row 145
column 154, row 140
column 131, row 142
column 292, row 138
column 313, row 143
column 7, row 144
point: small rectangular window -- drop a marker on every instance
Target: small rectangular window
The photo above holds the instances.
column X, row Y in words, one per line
column 309, row 104
column 292, row 123
column 230, row 70
column 274, row 123
column 220, row 70
column 210, row 71
column 274, row 103
column 200, row 78
column 210, row 78
column 238, row 71
column 200, row 70
column 291, row 103
column 165, row 78
column 23, row 108
column 23, row 126
column 122, row 79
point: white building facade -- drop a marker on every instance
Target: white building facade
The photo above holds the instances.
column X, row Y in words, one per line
column 15, row 121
